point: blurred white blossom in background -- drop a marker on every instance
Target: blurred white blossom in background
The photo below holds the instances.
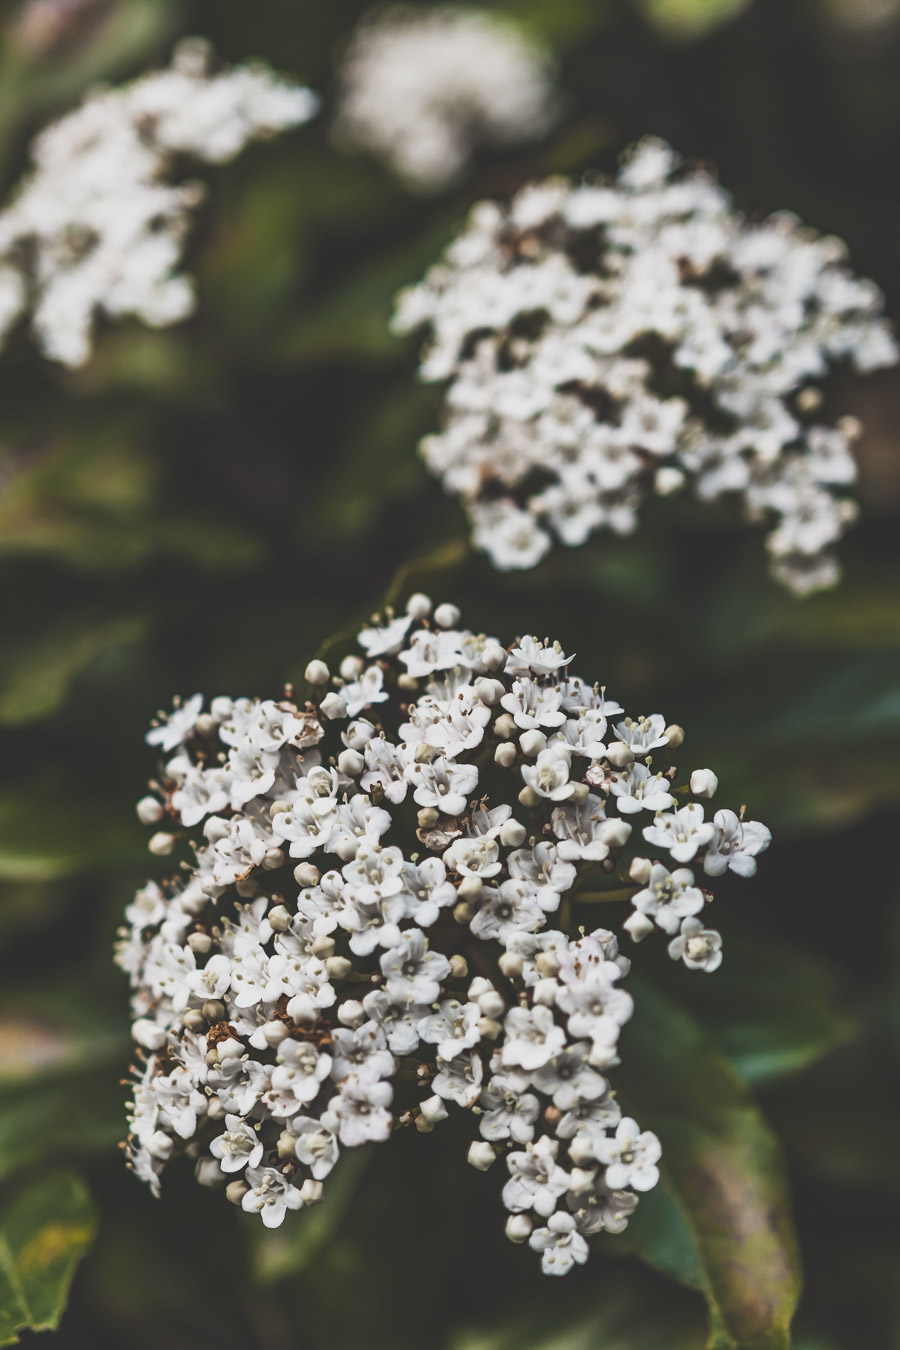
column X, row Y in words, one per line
column 600, row 341
column 422, row 89
column 97, row 226
column 362, row 941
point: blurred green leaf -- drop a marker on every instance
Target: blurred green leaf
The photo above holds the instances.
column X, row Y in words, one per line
column 775, row 1011
column 35, row 679
column 47, row 831
column 723, row 1170
column 46, row 1226
column 685, row 20
column 64, row 1118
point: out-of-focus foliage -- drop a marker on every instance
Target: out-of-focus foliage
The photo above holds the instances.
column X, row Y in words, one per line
column 202, row 507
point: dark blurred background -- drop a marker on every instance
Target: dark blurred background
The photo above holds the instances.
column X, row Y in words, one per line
column 200, row 508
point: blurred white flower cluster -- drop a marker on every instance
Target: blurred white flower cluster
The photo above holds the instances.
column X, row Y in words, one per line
column 422, row 88
column 364, row 939
column 97, row 226
column 603, row 340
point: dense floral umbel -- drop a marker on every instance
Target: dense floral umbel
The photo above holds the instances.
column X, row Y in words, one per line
column 603, row 340
column 98, row 226
column 423, row 88
column 375, row 928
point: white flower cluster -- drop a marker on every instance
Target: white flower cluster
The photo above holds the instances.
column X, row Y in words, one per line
column 363, row 939
column 422, row 88
column 97, row 226
column 600, row 340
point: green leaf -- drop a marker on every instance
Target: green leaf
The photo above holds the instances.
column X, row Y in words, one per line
column 684, row 20
column 723, row 1171
column 35, row 679
column 773, row 1027
column 46, row 833
column 46, row 1227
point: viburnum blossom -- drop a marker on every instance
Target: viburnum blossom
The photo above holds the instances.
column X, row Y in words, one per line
column 341, row 959
column 422, row 88
column 602, row 340
column 97, row 225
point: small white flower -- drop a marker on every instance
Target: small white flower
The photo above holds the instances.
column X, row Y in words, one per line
column 698, row 947
column 560, row 1244
column 270, row 1196
column 735, row 845
column 532, row 1037
column 536, row 1181
column 240, row 1145
column 630, row 1158
column 682, row 832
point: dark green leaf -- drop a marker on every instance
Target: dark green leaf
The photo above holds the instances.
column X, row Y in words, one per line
column 46, row 1226
column 723, row 1171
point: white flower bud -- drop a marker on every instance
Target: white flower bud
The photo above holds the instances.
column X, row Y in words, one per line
column 615, row 833
column 161, row 844
column 215, row 1110
column 311, row 1192
column 505, row 727
column 346, row 849
column 306, row 874
column 580, row 792
column 518, row 1227
column 199, row 943
column 424, row 753
column 280, row 918
column 194, row 1021
column 338, row 967
column 287, row 1145
column 639, row 870
column 273, row 859
column 303, row 1010
column 488, row 1028
column 351, row 763
column 581, row 1149
column 446, row 616
column 160, row 1145
column 216, row 828
column 274, row 1033
column 477, row 987
column 229, row 1048
column 547, row 963
column 149, row 811
column 206, row 725
column 528, row 797
column 352, row 667
column 433, row 1109
column 471, row 888
column 246, row 888
column 489, row 691
column 459, row 967
column 505, row 755
column 323, row 947
column 148, row 1034
column 581, row 1181
column 619, row 754
column 333, row 706
column 428, row 818
column 236, row 1190
column 481, row 1155
column 704, row 783
column 221, row 708
column 545, row 991
column 317, row 672
column 463, row 912
column 667, row 480
column 675, row 735
column 214, row 1011
column 511, row 965
column 638, row 926
column 351, row 1013
column 208, row 1172
column 532, row 743
column 512, row 834
column 419, row 606
column 407, row 681
column 492, row 1004
column 494, row 657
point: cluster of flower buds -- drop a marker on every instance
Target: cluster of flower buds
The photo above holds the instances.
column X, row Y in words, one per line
column 603, row 340
column 98, row 225
column 375, row 927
